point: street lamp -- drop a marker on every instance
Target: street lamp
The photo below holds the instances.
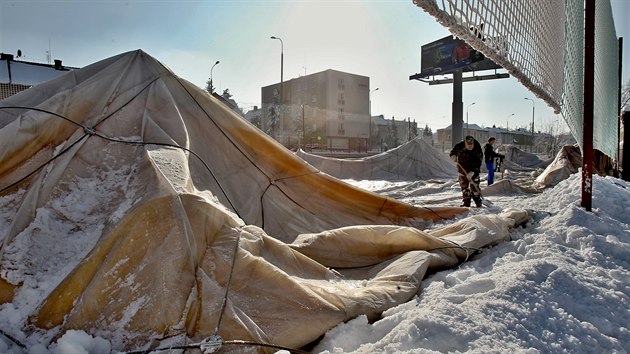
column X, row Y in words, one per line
column 303, row 130
column 212, row 87
column 467, row 131
column 507, row 127
column 369, row 142
column 507, row 123
column 281, row 78
column 532, row 149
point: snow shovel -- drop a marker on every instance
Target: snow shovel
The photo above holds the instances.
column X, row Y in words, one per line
column 497, row 168
column 472, row 185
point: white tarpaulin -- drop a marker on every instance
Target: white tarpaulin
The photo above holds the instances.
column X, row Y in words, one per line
column 413, row 160
column 146, row 212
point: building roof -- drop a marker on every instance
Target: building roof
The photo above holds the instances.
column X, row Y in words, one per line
column 319, row 73
column 381, row 120
column 475, row 127
column 28, row 73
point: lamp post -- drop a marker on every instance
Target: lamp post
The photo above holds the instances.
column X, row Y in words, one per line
column 281, row 79
column 467, row 130
column 212, row 87
column 532, row 149
column 507, row 123
column 369, row 142
column 507, row 126
column 303, row 131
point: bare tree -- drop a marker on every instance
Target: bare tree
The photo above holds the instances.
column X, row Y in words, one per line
column 272, row 122
column 392, row 139
column 209, row 86
column 554, row 137
column 427, row 133
column 625, row 94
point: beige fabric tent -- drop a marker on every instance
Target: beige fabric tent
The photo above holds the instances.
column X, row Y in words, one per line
column 415, row 159
column 148, row 213
column 567, row 162
column 517, row 159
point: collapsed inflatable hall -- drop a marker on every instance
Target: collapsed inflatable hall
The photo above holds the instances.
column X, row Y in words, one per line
column 144, row 211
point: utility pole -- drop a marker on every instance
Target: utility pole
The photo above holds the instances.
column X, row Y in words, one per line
column 457, row 108
column 532, row 145
column 281, row 83
column 303, row 131
column 369, row 142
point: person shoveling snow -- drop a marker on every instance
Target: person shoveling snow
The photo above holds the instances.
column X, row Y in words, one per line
column 468, row 156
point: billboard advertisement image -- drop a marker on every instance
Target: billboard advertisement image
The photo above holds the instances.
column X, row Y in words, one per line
column 449, row 54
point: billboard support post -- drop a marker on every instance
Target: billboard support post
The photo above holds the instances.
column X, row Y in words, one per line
column 625, row 154
column 451, row 55
column 457, row 119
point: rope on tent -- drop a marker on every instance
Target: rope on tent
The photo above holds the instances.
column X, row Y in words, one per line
column 466, row 249
column 211, row 342
column 211, row 345
column 229, row 281
column 226, row 136
column 89, row 131
column 12, row 339
column 271, row 180
column 215, row 342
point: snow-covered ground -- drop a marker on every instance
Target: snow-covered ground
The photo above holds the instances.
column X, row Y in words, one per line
column 560, row 285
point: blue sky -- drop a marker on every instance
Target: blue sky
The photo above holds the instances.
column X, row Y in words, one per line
column 378, row 39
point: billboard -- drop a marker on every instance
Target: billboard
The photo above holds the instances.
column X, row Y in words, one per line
column 449, row 54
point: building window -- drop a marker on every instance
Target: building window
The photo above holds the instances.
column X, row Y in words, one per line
column 340, row 100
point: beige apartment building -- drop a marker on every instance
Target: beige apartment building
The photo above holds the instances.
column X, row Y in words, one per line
column 327, row 110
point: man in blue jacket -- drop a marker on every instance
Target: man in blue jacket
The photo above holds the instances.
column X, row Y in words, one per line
column 489, row 156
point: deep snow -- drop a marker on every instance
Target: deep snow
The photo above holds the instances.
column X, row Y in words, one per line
column 562, row 284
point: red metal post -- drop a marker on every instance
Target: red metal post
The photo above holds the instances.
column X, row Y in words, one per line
column 619, row 73
column 588, row 105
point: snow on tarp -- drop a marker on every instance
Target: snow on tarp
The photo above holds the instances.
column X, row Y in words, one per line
column 567, row 162
column 162, row 218
column 413, row 160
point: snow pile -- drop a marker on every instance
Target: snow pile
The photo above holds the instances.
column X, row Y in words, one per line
column 561, row 285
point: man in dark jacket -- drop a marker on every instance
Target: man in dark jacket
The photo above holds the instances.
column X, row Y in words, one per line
column 468, row 157
column 489, row 155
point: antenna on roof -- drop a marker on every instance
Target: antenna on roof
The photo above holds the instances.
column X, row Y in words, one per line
column 48, row 52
